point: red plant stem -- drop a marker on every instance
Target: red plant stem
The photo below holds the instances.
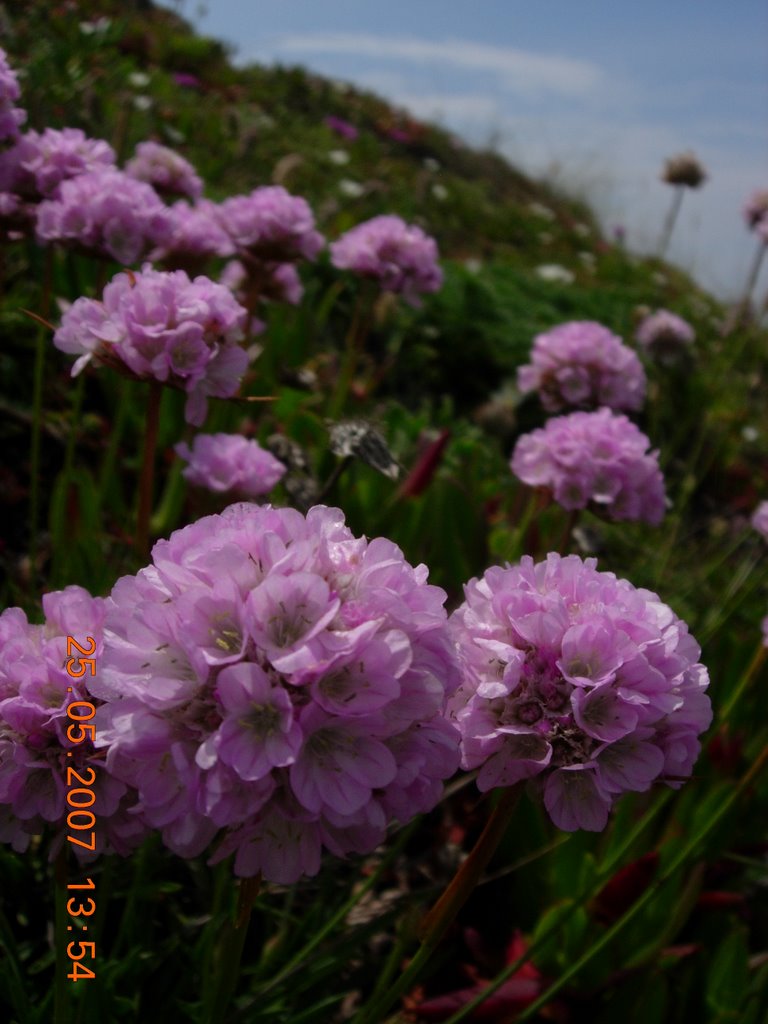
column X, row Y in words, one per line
column 436, row 922
column 147, row 477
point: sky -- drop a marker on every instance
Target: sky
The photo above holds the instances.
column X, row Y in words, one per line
column 592, row 95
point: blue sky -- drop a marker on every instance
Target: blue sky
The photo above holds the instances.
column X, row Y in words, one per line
column 593, row 95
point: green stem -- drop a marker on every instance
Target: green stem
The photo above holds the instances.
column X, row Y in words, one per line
column 755, row 664
column 670, row 220
column 606, row 870
column 355, row 339
column 63, row 963
column 41, row 345
column 651, row 892
column 741, row 309
column 147, row 476
column 230, row 951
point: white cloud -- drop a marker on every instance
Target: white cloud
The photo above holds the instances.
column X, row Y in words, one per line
column 520, row 71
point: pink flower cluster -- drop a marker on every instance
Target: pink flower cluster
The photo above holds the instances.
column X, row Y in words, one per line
column 167, row 171
column 10, row 116
column 664, row 335
column 756, row 209
column 583, row 364
column 41, row 161
column 277, row 281
column 107, row 213
column 194, row 236
column 400, row 256
column 35, row 752
column 598, row 459
column 230, row 462
column 162, row 326
column 272, row 675
column 578, row 680
column 759, row 519
column 271, row 225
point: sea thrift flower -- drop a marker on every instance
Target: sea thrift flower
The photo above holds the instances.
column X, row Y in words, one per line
column 664, row 335
column 578, row 680
column 583, row 364
column 271, row 225
column 186, row 80
column 230, row 462
column 400, row 256
column 107, row 213
column 341, row 127
column 40, row 161
column 277, row 281
column 759, row 520
column 167, row 171
column 194, row 236
column 10, row 116
column 756, row 208
column 162, row 326
column 35, row 751
column 276, row 677
column 595, row 459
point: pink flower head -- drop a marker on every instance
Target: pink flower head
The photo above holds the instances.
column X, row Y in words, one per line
column 277, row 281
column 664, row 335
column 759, row 520
column 756, row 208
column 271, row 225
column 598, row 459
column 35, row 751
column 583, row 365
column 10, row 116
column 341, row 127
column 162, row 326
column 194, row 236
column 167, row 171
column 40, row 161
column 400, row 256
column 579, row 680
column 230, row 462
column 273, row 676
column 107, row 213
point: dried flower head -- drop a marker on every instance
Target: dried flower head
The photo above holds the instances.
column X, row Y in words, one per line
column 684, row 169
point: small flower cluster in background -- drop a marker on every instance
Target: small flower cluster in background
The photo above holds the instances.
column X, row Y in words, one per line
column 582, row 364
column 596, row 459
